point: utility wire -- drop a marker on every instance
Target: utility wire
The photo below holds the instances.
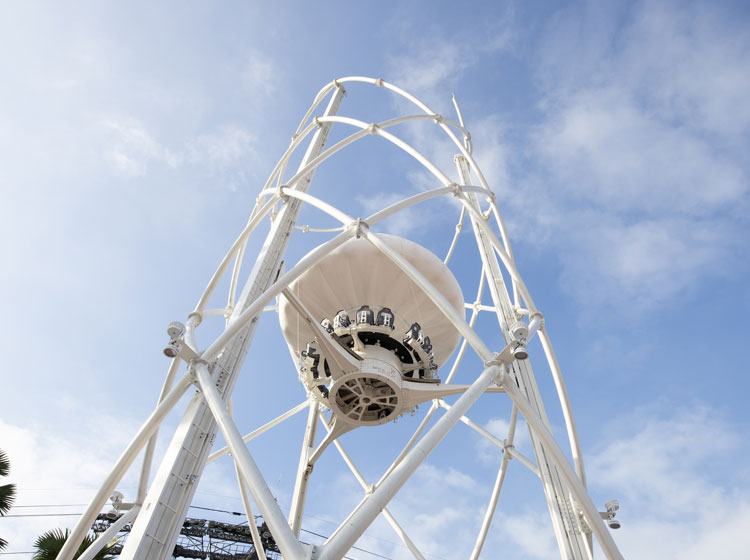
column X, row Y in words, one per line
column 51, row 505
column 354, row 547
column 194, row 507
column 42, row 514
column 219, row 510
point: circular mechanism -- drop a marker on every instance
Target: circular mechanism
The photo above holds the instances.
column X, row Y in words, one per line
column 372, row 396
column 365, row 399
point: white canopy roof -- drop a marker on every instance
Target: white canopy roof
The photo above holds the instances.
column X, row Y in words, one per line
column 357, row 274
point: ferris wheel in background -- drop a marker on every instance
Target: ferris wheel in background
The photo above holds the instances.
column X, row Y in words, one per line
column 376, row 325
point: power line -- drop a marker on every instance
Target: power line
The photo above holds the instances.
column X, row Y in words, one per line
column 51, row 505
column 194, row 507
column 354, row 547
column 42, row 514
column 219, row 510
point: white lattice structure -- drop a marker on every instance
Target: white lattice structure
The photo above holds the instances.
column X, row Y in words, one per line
column 366, row 371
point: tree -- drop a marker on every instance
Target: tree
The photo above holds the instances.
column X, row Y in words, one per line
column 49, row 544
column 7, row 492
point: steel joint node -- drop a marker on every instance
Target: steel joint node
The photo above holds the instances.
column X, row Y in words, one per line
column 198, row 317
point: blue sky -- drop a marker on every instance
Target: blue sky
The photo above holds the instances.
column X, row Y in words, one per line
column 134, row 139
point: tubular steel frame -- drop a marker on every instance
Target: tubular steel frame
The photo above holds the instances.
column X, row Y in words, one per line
column 573, row 514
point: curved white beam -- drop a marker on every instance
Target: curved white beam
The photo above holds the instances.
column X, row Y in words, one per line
column 562, row 395
column 252, row 224
column 366, row 487
column 490, row 513
column 454, row 368
column 416, row 199
column 148, row 456
column 443, row 124
column 318, row 203
column 372, row 505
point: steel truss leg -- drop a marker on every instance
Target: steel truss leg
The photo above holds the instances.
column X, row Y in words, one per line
column 564, row 520
column 541, row 431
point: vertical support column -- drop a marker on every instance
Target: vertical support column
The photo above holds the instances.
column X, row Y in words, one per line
column 157, row 526
column 540, row 428
column 570, row 539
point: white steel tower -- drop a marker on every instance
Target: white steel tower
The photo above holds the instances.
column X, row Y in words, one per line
column 376, row 325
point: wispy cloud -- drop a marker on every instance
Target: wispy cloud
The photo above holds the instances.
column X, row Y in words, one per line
column 133, row 147
column 668, row 500
column 260, row 73
column 605, row 149
column 639, row 166
column 51, row 470
column 225, row 154
column 489, row 453
column 433, row 61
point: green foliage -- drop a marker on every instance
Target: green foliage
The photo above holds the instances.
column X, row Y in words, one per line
column 4, row 464
column 7, row 496
column 49, row 544
column 7, row 492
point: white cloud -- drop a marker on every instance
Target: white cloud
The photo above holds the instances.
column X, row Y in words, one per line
column 607, row 150
column 642, row 176
column 260, row 73
column 530, row 531
column 227, row 155
column 227, row 145
column 134, row 148
column 699, row 74
column 432, row 62
column 664, row 473
column 224, row 153
column 426, row 68
column 632, row 266
column 489, row 453
column 51, row 470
